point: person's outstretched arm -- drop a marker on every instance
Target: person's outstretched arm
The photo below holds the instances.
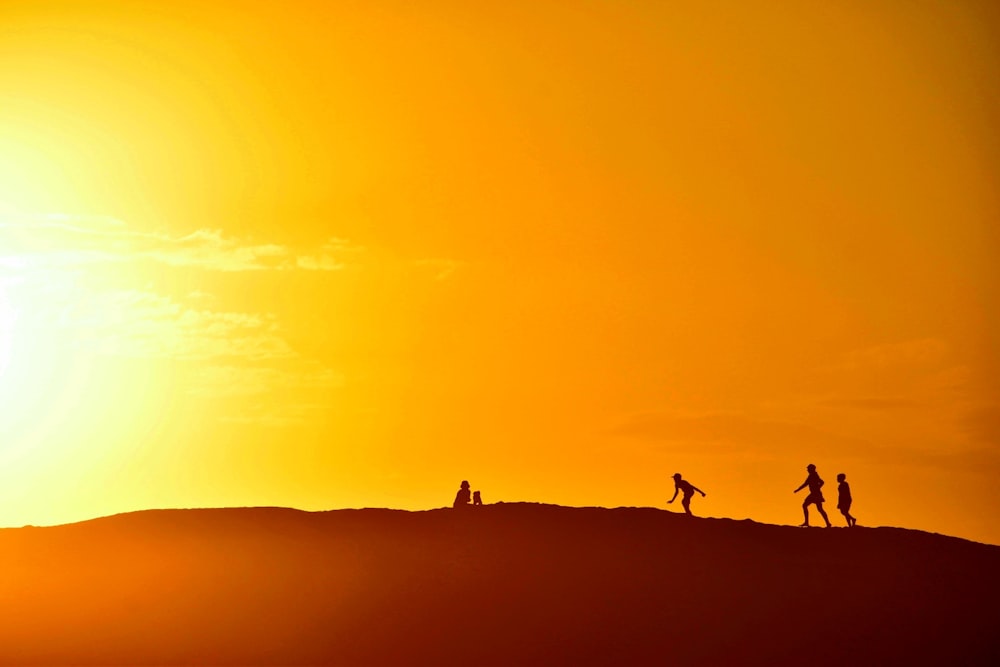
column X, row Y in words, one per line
column 698, row 490
column 804, row 484
column 676, row 489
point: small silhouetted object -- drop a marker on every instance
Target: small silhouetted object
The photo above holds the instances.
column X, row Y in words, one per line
column 476, row 498
column 463, row 496
column 844, row 500
column 815, row 495
column 681, row 485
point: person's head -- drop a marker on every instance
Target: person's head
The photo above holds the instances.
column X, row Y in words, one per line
column 841, row 477
column 677, row 477
column 465, row 484
column 811, row 468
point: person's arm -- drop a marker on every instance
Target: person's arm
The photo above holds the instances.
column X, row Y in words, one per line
column 698, row 490
column 676, row 489
column 804, row 484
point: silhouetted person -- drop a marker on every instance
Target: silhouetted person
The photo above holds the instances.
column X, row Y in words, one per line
column 815, row 495
column 463, row 496
column 476, row 498
column 844, row 500
column 688, row 489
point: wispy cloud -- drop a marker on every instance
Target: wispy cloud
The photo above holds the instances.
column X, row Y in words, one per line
column 222, row 354
column 223, row 381
column 271, row 415
column 922, row 352
column 334, row 255
column 441, row 268
column 268, row 396
column 140, row 324
column 63, row 241
column 209, row 249
column 52, row 270
column 758, row 434
column 893, row 376
column 872, row 403
column 982, row 423
column 739, row 435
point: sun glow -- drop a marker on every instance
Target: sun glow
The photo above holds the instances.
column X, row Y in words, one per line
column 66, row 405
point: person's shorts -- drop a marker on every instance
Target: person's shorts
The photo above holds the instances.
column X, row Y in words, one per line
column 844, row 507
column 814, row 498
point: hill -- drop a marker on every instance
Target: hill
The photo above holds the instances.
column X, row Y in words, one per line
column 503, row 584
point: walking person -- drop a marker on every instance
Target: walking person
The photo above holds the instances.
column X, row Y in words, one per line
column 844, row 500
column 680, row 485
column 815, row 496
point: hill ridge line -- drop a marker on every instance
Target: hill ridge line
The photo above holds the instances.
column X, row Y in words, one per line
column 492, row 507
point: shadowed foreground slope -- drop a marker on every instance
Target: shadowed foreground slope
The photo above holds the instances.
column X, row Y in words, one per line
column 503, row 584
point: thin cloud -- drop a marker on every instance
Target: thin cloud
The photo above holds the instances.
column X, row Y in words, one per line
column 760, row 435
column 222, row 353
column 224, row 381
column 209, row 249
column 441, row 268
column 887, row 376
column 733, row 435
column 66, row 241
column 917, row 353
column 281, row 416
column 336, row 254
column 137, row 323
column 140, row 324
column 982, row 423
column 873, row 403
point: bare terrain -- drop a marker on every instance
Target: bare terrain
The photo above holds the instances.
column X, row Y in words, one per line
column 502, row 584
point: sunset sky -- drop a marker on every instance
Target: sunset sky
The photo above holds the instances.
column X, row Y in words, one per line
column 347, row 254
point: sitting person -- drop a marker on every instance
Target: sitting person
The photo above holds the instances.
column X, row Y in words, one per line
column 476, row 499
column 463, row 496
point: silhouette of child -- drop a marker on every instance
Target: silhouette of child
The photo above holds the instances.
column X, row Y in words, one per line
column 688, row 488
column 844, row 500
column 476, row 498
column 815, row 495
column 462, row 497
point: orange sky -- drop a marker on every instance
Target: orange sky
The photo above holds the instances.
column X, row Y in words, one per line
column 349, row 254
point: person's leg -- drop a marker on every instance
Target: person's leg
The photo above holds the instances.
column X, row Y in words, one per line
column 847, row 516
column 686, row 502
column 805, row 513
column 822, row 513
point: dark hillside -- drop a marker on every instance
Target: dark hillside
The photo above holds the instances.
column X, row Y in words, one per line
column 503, row 584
